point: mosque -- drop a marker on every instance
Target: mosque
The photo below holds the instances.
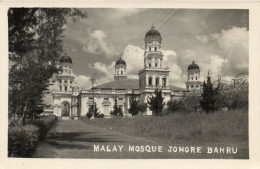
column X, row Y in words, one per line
column 70, row 101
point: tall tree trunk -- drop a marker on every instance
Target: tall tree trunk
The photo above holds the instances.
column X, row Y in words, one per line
column 23, row 116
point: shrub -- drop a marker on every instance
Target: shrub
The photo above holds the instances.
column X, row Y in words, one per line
column 175, row 105
column 100, row 115
column 23, row 139
column 44, row 124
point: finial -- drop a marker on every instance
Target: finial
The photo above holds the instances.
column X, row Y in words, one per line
column 193, row 62
column 152, row 27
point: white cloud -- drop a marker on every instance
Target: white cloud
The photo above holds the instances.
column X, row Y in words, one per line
column 203, row 39
column 134, row 57
column 83, row 81
column 229, row 56
column 98, row 44
column 235, row 43
column 107, row 70
column 215, row 66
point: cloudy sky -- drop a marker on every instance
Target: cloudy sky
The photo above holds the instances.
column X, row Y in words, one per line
column 215, row 39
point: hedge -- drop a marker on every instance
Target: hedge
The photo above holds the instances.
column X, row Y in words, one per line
column 23, row 139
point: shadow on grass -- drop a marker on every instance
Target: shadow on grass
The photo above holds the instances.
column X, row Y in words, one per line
column 60, row 145
column 80, row 137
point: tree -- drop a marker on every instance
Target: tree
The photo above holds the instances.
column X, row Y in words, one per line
column 155, row 103
column 133, row 110
column 117, row 109
column 35, row 45
column 209, row 95
column 142, row 107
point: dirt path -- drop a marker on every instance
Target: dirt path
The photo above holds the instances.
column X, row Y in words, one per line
column 77, row 139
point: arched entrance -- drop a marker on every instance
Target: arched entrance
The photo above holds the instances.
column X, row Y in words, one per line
column 65, row 109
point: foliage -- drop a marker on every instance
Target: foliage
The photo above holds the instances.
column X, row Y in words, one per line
column 233, row 95
column 155, row 103
column 35, row 44
column 175, row 105
column 142, row 107
column 89, row 114
column 133, row 110
column 117, row 111
column 23, row 139
column 100, row 115
column 95, row 111
column 209, row 95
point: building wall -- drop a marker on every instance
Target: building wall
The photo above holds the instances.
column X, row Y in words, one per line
column 58, row 101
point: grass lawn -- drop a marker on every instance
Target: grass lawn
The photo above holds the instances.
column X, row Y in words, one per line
column 220, row 129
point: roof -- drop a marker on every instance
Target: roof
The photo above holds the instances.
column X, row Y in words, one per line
column 120, row 84
column 120, row 61
column 129, row 84
column 65, row 59
column 152, row 33
column 175, row 88
column 193, row 66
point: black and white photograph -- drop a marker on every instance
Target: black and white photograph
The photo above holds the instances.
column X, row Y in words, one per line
column 118, row 83
column 138, row 85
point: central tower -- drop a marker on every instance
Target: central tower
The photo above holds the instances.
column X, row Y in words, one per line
column 153, row 75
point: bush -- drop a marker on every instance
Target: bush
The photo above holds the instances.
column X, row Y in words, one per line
column 23, row 139
column 44, row 124
column 100, row 115
column 175, row 105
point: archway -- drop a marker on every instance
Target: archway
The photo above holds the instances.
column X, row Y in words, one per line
column 65, row 109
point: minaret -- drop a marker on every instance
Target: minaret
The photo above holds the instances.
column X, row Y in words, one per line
column 153, row 56
column 120, row 70
column 153, row 75
column 193, row 78
column 65, row 78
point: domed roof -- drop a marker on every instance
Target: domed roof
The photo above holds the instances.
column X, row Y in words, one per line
column 65, row 59
column 152, row 33
column 193, row 66
column 120, row 61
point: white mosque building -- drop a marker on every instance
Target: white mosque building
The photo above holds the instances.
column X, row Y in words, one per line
column 70, row 102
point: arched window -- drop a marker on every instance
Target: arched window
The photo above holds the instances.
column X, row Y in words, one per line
column 150, row 81
column 150, row 65
column 164, row 81
column 155, row 48
column 196, row 78
column 150, row 48
column 156, row 64
column 157, row 81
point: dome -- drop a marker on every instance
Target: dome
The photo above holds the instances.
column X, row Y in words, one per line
column 152, row 33
column 120, row 62
column 193, row 66
column 65, row 59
